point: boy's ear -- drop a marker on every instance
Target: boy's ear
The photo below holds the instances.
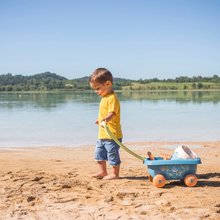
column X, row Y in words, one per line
column 91, row 85
column 108, row 83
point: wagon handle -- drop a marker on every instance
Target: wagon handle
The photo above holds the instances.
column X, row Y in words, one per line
column 109, row 133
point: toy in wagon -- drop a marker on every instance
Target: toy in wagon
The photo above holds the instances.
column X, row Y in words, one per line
column 182, row 165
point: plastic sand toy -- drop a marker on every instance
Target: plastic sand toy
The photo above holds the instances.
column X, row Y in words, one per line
column 161, row 170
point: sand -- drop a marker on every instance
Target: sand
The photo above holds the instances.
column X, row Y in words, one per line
column 56, row 183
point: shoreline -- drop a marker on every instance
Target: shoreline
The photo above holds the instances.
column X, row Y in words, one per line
column 118, row 91
column 55, row 182
column 133, row 144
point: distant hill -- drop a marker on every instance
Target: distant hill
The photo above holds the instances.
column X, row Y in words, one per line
column 82, row 83
column 41, row 81
column 50, row 81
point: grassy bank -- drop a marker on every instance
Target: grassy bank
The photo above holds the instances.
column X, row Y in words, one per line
column 173, row 86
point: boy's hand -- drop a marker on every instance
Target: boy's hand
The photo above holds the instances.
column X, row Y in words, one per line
column 97, row 121
column 105, row 120
column 103, row 123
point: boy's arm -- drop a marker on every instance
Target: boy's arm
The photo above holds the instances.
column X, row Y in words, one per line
column 109, row 117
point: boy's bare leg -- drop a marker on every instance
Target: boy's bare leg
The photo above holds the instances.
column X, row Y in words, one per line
column 103, row 170
column 114, row 174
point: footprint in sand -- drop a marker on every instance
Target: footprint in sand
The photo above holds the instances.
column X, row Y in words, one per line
column 37, row 178
column 31, row 198
column 66, row 186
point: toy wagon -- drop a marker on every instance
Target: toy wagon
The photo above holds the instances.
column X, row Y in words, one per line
column 170, row 168
column 161, row 170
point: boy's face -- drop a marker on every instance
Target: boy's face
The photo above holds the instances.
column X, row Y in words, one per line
column 102, row 89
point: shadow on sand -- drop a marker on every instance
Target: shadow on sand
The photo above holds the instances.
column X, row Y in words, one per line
column 134, row 177
column 208, row 175
column 201, row 181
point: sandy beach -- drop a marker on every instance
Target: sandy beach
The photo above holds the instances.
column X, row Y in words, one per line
column 56, row 183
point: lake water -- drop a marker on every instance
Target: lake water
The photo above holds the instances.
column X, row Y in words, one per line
column 68, row 119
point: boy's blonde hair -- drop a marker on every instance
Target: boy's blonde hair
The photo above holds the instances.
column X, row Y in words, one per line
column 101, row 75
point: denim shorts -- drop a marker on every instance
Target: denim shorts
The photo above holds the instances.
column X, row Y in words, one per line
column 107, row 150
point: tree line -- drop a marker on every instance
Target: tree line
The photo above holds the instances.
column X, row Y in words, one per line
column 185, row 79
column 42, row 81
column 50, row 81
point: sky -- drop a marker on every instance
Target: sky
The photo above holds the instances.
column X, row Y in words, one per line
column 135, row 39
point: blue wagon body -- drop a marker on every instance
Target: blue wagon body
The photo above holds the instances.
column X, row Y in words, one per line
column 172, row 169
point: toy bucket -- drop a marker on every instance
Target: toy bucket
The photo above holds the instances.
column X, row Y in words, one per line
column 183, row 152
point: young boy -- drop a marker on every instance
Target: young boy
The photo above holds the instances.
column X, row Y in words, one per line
column 109, row 111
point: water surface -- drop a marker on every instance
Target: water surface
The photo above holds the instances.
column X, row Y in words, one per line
column 68, row 119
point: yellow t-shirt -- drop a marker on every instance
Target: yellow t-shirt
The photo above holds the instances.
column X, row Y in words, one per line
column 110, row 103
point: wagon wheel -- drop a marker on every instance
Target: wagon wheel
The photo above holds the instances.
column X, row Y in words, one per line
column 190, row 180
column 150, row 178
column 159, row 181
